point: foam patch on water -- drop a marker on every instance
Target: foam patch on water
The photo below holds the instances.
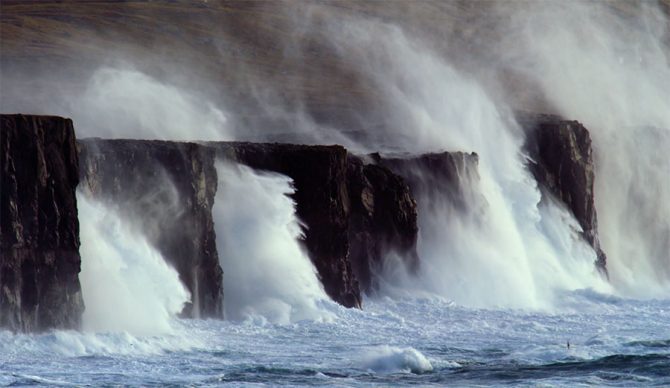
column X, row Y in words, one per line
column 69, row 343
column 390, row 359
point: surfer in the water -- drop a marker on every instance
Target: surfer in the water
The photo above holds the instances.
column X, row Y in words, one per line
column 568, row 344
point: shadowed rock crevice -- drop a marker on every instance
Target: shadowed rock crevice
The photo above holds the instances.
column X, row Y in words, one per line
column 166, row 190
column 39, row 229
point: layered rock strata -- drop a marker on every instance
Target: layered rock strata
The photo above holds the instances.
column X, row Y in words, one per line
column 561, row 159
column 165, row 190
column 39, row 229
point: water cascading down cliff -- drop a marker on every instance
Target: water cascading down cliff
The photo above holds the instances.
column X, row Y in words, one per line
column 360, row 217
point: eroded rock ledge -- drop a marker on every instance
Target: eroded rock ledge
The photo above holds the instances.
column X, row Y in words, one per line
column 165, row 190
column 39, row 228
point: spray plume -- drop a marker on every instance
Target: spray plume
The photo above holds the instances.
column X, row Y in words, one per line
column 610, row 69
column 266, row 272
column 126, row 284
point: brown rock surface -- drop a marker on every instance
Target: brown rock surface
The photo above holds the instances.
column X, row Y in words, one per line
column 39, row 229
column 382, row 221
column 319, row 174
column 166, row 189
column 562, row 163
column 447, row 175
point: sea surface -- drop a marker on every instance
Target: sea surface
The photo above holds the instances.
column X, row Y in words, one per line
column 391, row 342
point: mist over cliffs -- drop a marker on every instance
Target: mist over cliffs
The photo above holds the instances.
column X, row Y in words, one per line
column 488, row 153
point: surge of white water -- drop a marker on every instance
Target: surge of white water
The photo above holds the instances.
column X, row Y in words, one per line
column 392, row 359
column 266, row 273
column 126, row 284
column 612, row 72
column 498, row 253
column 393, row 342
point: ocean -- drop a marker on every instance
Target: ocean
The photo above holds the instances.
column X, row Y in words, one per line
column 391, row 342
column 507, row 292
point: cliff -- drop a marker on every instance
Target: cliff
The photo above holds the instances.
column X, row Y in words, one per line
column 39, row 229
column 319, row 174
column 166, row 189
column 561, row 159
column 382, row 221
column 435, row 177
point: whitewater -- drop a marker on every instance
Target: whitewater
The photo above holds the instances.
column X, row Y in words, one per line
column 281, row 329
column 613, row 341
column 510, row 296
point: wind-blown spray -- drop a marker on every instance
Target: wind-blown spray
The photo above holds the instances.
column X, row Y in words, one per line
column 504, row 250
column 266, row 272
column 126, row 284
column 611, row 71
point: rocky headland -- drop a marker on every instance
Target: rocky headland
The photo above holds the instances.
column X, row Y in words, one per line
column 356, row 210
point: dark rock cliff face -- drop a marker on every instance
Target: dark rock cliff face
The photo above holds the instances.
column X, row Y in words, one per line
column 166, row 189
column 437, row 177
column 382, row 221
column 319, row 174
column 562, row 163
column 39, row 229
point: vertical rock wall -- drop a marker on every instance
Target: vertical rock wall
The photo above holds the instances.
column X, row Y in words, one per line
column 39, row 229
column 166, row 189
column 319, row 174
column 382, row 221
column 562, row 163
column 435, row 177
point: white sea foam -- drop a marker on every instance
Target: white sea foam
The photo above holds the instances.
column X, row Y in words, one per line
column 394, row 359
column 266, row 271
column 611, row 72
column 126, row 284
column 497, row 252
column 69, row 343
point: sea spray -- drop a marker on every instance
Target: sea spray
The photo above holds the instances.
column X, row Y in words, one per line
column 266, row 272
column 126, row 284
column 610, row 71
column 495, row 252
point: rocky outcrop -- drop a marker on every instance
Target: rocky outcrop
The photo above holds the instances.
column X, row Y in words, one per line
column 561, row 159
column 166, row 189
column 39, row 229
column 319, row 174
column 447, row 175
column 382, row 220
